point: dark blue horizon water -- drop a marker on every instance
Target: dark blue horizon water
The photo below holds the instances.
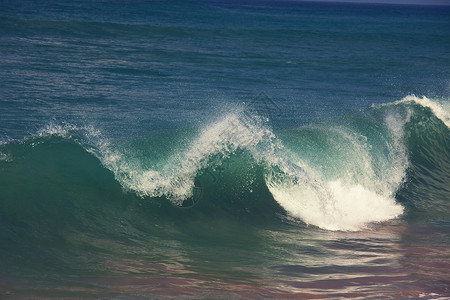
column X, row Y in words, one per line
column 224, row 150
column 146, row 60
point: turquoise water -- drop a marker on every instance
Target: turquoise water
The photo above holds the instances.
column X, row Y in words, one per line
column 212, row 149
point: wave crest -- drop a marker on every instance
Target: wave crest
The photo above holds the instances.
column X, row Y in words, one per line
column 346, row 179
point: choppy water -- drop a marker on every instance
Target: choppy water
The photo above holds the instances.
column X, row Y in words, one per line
column 224, row 150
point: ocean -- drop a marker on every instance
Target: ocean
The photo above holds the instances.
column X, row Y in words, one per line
column 224, row 150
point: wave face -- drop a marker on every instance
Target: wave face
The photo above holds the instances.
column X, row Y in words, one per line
column 371, row 166
column 223, row 149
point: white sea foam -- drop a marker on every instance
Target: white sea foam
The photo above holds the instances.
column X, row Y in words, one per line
column 362, row 193
column 176, row 179
column 358, row 196
column 297, row 187
column 441, row 109
column 221, row 138
column 5, row 157
column 340, row 207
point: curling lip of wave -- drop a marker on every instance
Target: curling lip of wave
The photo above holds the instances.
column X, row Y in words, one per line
column 440, row 110
column 360, row 194
column 297, row 185
column 302, row 193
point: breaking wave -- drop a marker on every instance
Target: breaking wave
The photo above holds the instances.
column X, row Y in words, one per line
column 336, row 176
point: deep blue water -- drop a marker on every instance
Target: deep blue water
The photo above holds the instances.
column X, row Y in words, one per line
column 224, row 149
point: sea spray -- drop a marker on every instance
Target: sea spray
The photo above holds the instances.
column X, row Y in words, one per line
column 176, row 179
column 439, row 107
column 362, row 192
column 349, row 182
column 344, row 203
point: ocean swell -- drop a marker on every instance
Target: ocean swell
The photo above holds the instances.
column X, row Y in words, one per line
column 340, row 176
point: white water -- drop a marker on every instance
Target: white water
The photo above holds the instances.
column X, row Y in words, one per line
column 440, row 108
column 341, row 204
column 224, row 137
column 363, row 192
column 342, row 207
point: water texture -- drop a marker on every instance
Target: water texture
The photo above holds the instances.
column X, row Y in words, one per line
column 224, row 150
